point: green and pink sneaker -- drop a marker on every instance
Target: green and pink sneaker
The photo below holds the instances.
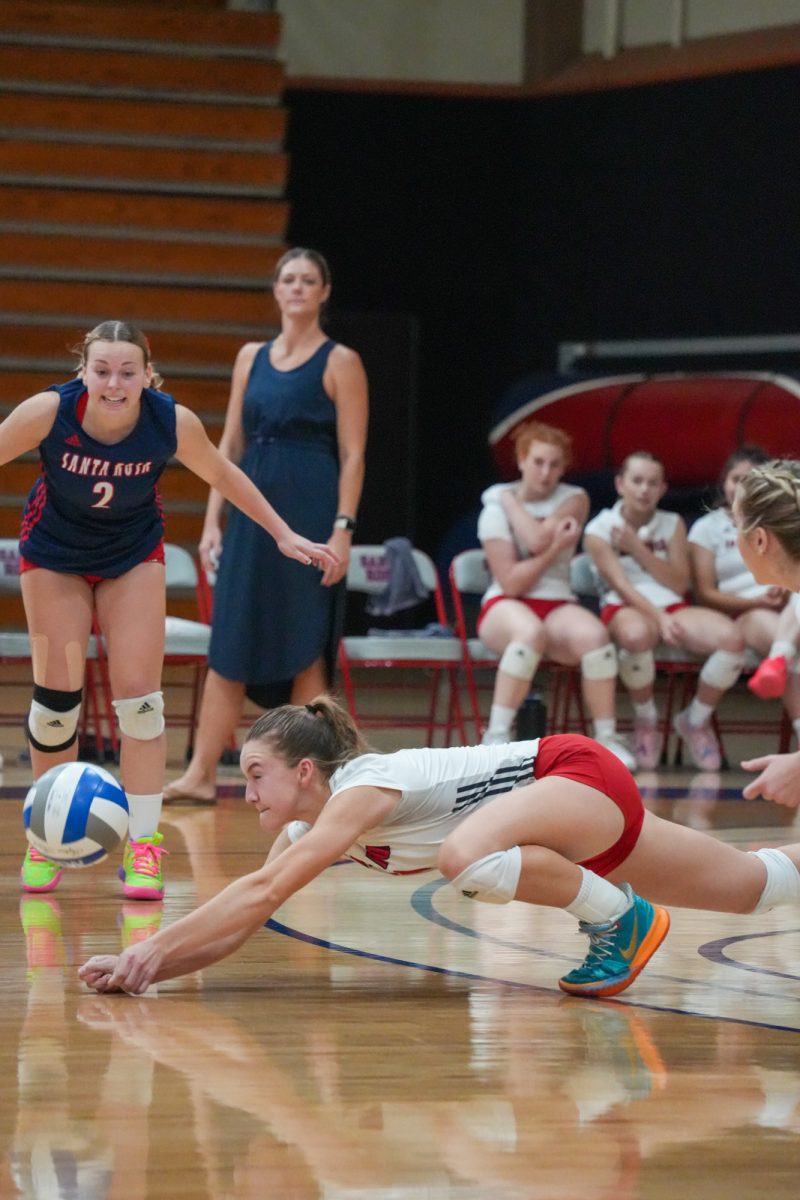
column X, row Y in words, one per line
column 140, row 872
column 37, row 873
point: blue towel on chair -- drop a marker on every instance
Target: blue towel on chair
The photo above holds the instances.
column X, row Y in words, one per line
column 404, row 588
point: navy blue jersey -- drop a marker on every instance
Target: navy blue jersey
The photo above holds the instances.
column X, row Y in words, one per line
column 95, row 509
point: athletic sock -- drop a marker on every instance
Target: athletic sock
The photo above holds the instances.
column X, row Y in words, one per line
column 144, row 815
column 597, row 901
column 782, row 648
column 699, row 713
column 604, row 727
column 501, row 718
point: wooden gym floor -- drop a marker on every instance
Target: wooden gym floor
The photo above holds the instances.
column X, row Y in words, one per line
column 385, row 1039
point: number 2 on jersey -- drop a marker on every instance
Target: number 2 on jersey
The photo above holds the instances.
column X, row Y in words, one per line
column 105, row 491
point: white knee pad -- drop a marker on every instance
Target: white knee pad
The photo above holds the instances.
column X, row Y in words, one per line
column 637, row 670
column 722, row 669
column 783, row 880
column 141, row 717
column 519, row 661
column 600, row 663
column 492, row 879
column 53, row 718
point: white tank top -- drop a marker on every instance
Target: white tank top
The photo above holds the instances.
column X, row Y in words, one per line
column 437, row 790
column 493, row 523
column 717, row 532
column 656, row 535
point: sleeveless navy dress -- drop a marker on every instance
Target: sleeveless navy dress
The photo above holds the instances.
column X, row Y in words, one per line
column 272, row 617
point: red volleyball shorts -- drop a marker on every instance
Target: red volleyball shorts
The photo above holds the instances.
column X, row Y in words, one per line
column 610, row 610
column 156, row 555
column 540, row 608
column 574, row 756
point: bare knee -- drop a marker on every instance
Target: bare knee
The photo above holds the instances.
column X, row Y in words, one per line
column 635, row 641
column 455, row 855
column 733, row 641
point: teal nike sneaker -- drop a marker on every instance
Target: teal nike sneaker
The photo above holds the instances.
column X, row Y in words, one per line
column 618, row 950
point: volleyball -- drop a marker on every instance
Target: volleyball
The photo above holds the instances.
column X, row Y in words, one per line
column 75, row 814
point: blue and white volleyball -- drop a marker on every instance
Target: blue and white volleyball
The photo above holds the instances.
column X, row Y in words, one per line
column 75, row 814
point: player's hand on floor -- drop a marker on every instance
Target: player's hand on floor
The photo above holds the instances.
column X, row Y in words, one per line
column 96, row 973
column 132, row 971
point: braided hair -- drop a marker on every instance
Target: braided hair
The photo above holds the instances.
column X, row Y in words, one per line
column 769, row 497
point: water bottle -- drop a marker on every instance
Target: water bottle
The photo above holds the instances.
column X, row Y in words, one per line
column 531, row 718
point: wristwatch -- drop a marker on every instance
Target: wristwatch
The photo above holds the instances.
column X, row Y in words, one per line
column 344, row 522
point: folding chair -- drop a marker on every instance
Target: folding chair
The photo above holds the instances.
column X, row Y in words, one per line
column 429, row 660
column 97, row 725
column 469, row 578
column 187, row 641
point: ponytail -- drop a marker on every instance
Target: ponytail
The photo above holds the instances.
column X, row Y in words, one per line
column 322, row 731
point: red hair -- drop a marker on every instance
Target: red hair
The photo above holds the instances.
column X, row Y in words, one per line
column 537, row 431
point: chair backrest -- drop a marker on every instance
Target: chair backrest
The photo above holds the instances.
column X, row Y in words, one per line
column 469, row 572
column 368, row 570
column 180, row 568
column 9, row 566
column 469, row 578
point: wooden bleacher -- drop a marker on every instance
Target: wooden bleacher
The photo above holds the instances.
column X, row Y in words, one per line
column 142, row 177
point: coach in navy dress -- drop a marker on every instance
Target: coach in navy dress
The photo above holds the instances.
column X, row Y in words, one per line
column 272, row 619
column 296, row 424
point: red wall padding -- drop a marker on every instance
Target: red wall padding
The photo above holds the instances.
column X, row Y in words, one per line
column 692, row 422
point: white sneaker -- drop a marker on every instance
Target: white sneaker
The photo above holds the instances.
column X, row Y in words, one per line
column 648, row 743
column 700, row 741
column 618, row 747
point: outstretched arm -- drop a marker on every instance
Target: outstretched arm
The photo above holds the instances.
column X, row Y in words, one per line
column 217, row 928
column 223, row 923
column 200, row 455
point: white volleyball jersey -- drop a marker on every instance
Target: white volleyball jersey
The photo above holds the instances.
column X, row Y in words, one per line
column 716, row 532
column 438, row 788
column 656, row 535
column 493, row 523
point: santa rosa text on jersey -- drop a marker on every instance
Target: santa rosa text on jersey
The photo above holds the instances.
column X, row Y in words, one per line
column 101, row 468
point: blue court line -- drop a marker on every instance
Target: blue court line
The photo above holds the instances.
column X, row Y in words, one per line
column 715, row 952
column 421, row 903
column 311, row 940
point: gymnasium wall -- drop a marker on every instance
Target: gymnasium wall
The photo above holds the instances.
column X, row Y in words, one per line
column 505, row 225
column 486, row 42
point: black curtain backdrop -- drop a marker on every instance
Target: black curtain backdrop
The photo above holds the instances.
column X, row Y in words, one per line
column 504, row 226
